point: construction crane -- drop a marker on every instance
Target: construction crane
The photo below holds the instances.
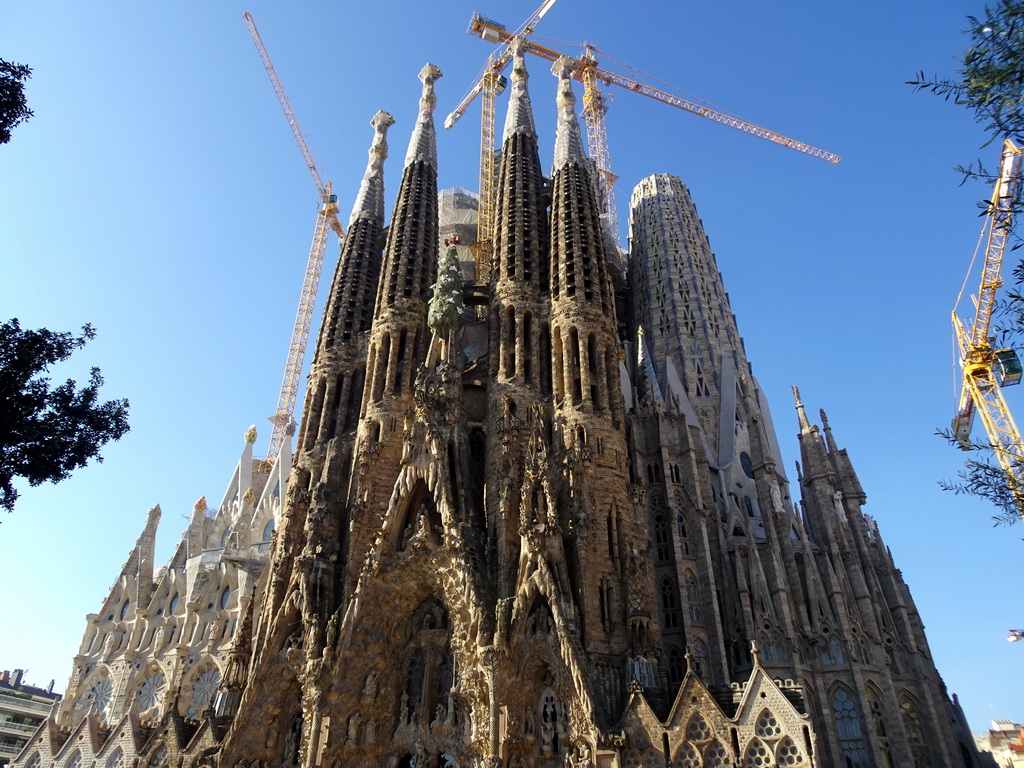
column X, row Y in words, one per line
column 326, row 220
column 986, row 370
column 594, row 108
column 491, row 83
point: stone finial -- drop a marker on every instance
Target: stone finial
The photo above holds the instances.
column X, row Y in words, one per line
column 370, row 200
column 520, row 110
column 423, row 144
column 250, row 434
column 568, row 139
column 805, row 425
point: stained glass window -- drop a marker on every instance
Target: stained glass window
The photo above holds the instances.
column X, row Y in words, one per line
column 117, row 759
column 76, row 760
column 99, row 696
column 152, row 690
column 203, row 689
column 698, row 729
column 789, row 753
column 851, row 731
column 717, row 756
column 160, row 757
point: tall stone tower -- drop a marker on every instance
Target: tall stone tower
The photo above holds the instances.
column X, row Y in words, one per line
column 527, row 528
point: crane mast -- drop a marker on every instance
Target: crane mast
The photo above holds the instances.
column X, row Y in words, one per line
column 326, row 221
column 985, row 369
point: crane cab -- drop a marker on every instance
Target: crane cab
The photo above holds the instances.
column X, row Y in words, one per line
column 1008, row 368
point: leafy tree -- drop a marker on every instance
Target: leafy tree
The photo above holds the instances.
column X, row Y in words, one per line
column 990, row 83
column 46, row 433
column 13, row 106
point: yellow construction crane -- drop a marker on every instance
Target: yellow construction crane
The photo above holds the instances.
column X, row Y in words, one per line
column 491, row 83
column 327, row 219
column 987, row 369
column 594, row 108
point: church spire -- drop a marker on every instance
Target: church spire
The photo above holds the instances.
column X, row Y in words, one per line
column 520, row 111
column 568, row 139
column 370, row 200
column 423, row 144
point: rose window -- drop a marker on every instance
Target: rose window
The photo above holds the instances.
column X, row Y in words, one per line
column 151, row 691
column 203, row 689
column 99, row 696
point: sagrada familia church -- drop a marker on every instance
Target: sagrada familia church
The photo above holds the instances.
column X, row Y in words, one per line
column 538, row 521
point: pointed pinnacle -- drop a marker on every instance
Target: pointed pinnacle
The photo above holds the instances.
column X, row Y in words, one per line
column 805, row 425
column 423, row 144
column 370, row 199
column 568, row 139
column 520, row 110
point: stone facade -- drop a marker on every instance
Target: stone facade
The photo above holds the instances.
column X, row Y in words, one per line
column 542, row 522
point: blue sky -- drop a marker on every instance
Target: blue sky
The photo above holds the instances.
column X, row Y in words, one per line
column 158, row 194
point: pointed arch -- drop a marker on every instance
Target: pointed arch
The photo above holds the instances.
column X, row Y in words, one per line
column 717, row 756
column 850, row 727
column 75, row 761
column 116, row 759
column 877, row 714
column 917, row 739
column 200, row 687
column 148, row 692
column 788, row 753
column 698, row 729
column 767, row 725
column 100, row 694
column 687, row 757
column 757, row 755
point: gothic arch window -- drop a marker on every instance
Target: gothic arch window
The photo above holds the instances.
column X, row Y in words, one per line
column 225, row 597
column 688, row 757
column 878, row 719
column 160, row 757
column 268, row 530
column 124, row 609
column 116, row 760
column 757, row 755
column 224, row 537
column 836, row 646
column 691, row 593
column 426, row 697
column 699, row 656
column 916, row 738
column 850, row 729
column 200, row 692
column 676, row 666
column 100, row 695
column 173, row 605
column 662, row 540
column 698, row 729
column 35, row 762
column 75, row 761
column 767, row 726
column 717, row 756
column 669, row 603
column 788, row 753
column 150, row 692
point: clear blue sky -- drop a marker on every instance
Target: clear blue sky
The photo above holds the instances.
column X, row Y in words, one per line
column 158, row 195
